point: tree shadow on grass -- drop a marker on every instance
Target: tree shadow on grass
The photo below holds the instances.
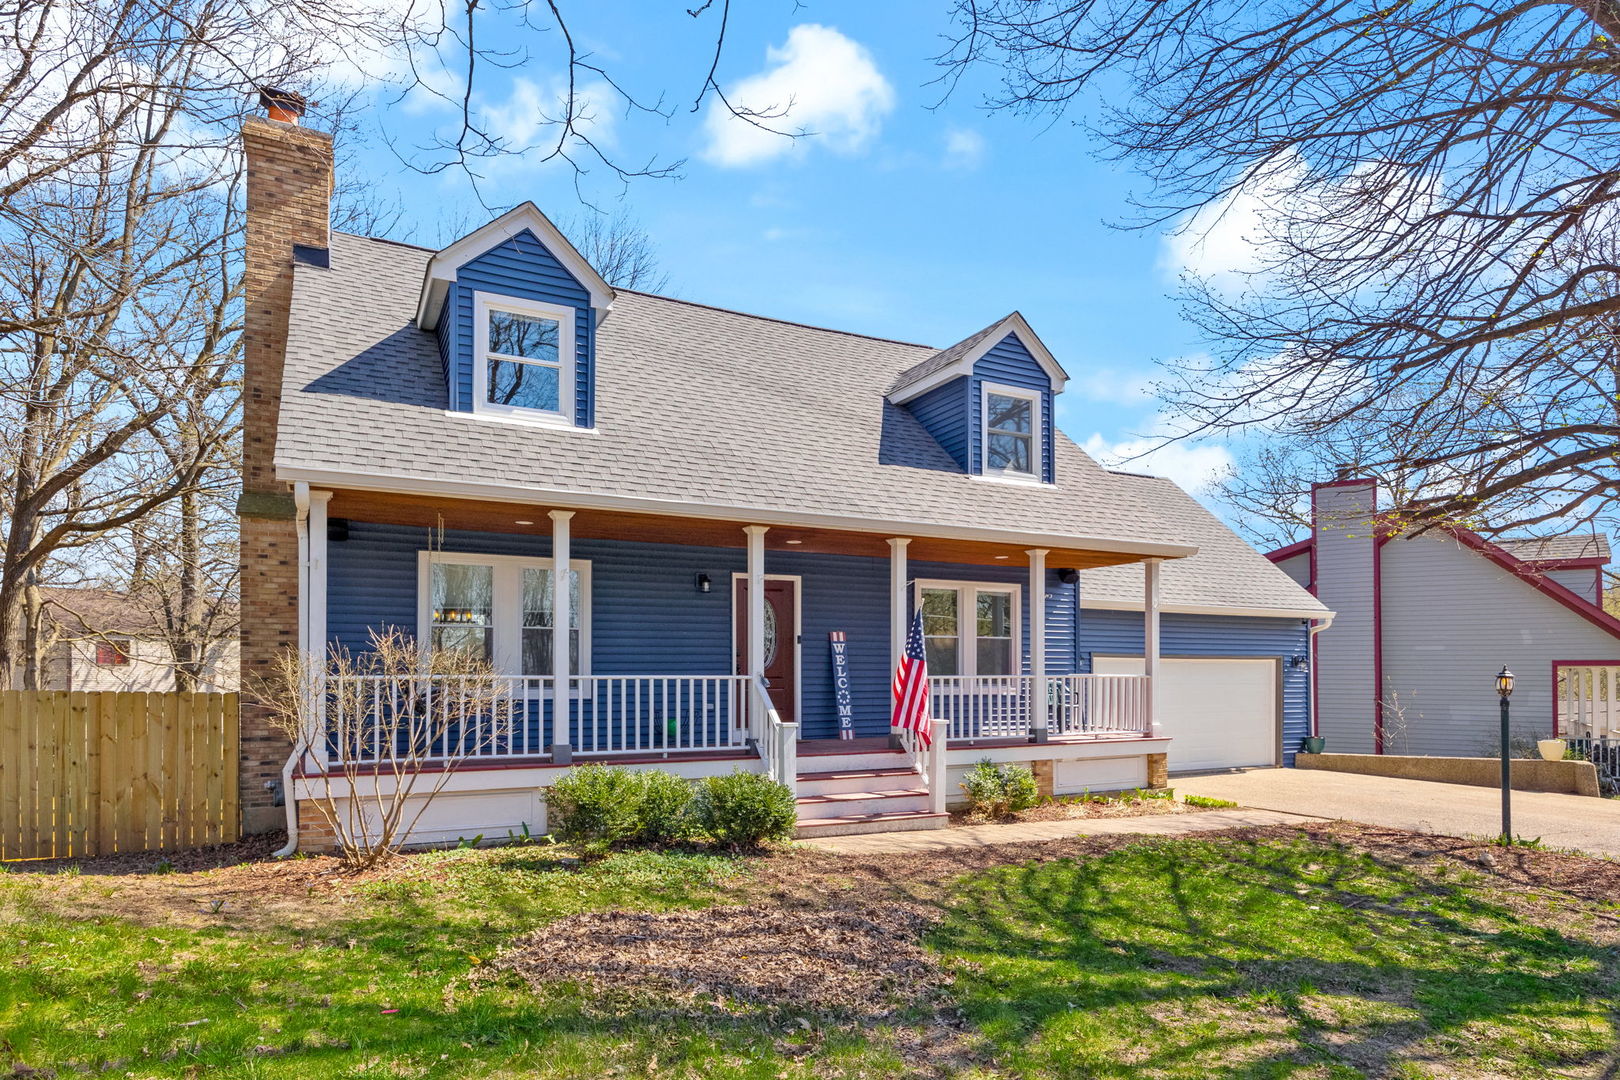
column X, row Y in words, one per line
column 1251, row 960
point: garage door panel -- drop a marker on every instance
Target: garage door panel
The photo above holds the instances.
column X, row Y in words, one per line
column 1219, row 713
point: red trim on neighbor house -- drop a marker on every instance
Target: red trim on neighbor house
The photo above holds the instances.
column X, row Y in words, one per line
column 1532, row 575
column 1298, row 547
column 1381, row 538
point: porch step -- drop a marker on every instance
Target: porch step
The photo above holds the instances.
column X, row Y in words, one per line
column 844, row 804
column 852, row 760
column 827, row 783
column 898, row 821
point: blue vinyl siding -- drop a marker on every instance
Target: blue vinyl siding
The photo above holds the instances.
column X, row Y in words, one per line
column 523, row 268
column 943, row 411
column 1009, row 364
column 1120, row 633
column 648, row 618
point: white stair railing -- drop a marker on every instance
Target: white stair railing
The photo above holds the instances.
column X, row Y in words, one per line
column 778, row 742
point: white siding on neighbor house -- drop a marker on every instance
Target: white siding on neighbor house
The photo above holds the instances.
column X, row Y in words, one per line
column 1451, row 619
column 150, row 668
column 1298, row 567
column 1346, row 698
column 1580, row 580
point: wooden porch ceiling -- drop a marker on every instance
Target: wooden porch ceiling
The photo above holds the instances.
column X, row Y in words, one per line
column 387, row 509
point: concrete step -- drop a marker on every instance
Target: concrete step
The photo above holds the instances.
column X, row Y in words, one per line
column 859, row 803
column 826, row 783
column 901, row 821
column 852, row 760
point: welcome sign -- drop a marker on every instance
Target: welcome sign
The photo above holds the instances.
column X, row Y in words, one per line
column 840, row 673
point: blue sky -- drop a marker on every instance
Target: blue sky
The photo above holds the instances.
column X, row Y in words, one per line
column 893, row 218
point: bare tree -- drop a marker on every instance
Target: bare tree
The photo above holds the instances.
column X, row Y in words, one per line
column 619, row 249
column 1431, row 195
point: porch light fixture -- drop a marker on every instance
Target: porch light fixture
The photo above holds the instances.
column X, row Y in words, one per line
column 1300, row 661
column 1504, row 689
column 703, row 583
column 1069, row 576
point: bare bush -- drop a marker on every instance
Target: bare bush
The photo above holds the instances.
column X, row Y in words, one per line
column 378, row 734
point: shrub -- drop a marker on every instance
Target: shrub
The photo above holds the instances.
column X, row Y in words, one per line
column 663, row 809
column 1207, row 803
column 595, row 806
column 998, row 790
column 744, row 810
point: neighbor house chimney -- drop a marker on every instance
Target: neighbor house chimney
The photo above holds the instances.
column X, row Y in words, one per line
column 1344, row 514
column 289, row 193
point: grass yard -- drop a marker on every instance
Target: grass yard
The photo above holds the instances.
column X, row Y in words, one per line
column 1272, row 953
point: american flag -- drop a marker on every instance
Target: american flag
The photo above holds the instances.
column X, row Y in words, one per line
column 911, row 685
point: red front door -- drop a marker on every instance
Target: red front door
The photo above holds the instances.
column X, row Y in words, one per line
column 781, row 646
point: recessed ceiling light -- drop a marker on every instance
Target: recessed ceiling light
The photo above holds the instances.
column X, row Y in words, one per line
column 1003, row 556
column 793, row 541
column 523, row 523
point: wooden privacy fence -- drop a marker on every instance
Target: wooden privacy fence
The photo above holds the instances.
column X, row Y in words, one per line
column 94, row 774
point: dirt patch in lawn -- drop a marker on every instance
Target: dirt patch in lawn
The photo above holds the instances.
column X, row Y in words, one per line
column 857, row 962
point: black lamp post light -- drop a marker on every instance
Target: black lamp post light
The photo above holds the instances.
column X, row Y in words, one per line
column 1504, row 688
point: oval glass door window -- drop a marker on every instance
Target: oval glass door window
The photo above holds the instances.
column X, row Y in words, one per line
column 770, row 632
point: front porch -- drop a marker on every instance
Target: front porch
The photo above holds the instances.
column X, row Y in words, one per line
column 812, row 621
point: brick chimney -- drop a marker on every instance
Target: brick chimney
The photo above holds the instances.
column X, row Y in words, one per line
column 289, row 192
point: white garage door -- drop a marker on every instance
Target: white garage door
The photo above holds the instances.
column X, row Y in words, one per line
column 1220, row 714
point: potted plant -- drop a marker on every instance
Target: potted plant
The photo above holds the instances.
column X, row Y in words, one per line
column 1314, row 744
column 1552, row 749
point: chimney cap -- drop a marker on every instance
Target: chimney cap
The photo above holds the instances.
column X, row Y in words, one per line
column 284, row 105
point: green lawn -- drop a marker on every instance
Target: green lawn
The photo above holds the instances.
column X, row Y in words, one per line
column 1170, row 958
column 1198, row 959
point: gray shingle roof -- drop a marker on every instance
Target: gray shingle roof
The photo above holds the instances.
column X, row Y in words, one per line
column 944, row 358
column 1224, row 574
column 694, row 404
column 1557, row 548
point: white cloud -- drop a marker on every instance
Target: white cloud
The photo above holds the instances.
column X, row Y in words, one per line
column 1228, row 237
column 529, row 115
column 820, row 83
column 1105, row 385
column 1193, row 466
column 964, row 148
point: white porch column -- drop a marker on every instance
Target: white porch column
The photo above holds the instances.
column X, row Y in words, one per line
column 316, row 608
column 756, row 598
column 1040, row 699
column 1150, row 640
column 562, row 595
column 898, row 623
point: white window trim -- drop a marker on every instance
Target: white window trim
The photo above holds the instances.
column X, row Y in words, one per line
column 506, row 614
column 967, row 600
column 1037, row 439
column 567, row 359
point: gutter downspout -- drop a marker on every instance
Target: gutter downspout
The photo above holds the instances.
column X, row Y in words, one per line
column 1317, row 626
column 301, row 502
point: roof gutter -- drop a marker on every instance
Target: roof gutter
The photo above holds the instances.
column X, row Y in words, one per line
column 418, row 485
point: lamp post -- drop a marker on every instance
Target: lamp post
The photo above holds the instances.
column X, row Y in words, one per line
column 1504, row 687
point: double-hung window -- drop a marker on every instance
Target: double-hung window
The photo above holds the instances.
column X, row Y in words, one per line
column 970, row 629
column 500, row 608
column 1012, row 432
column 523, row 359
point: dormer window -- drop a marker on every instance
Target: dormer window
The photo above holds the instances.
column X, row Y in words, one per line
column 523, row 362
column 1012, row 431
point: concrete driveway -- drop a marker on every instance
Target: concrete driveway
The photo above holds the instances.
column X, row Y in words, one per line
column 1562, row 821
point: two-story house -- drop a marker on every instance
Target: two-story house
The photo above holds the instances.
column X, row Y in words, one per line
column 663, row 520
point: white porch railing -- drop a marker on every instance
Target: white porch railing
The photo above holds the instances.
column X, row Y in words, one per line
column 778, row 742
column 1008, row 706
column 439, row 718
column 929, row 759
column 395, row 720
column 1588, row 699
column 656, row 714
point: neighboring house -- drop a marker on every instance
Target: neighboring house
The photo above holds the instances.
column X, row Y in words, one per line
column 722, row 496
column 1425, row 621
column 101, row 639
